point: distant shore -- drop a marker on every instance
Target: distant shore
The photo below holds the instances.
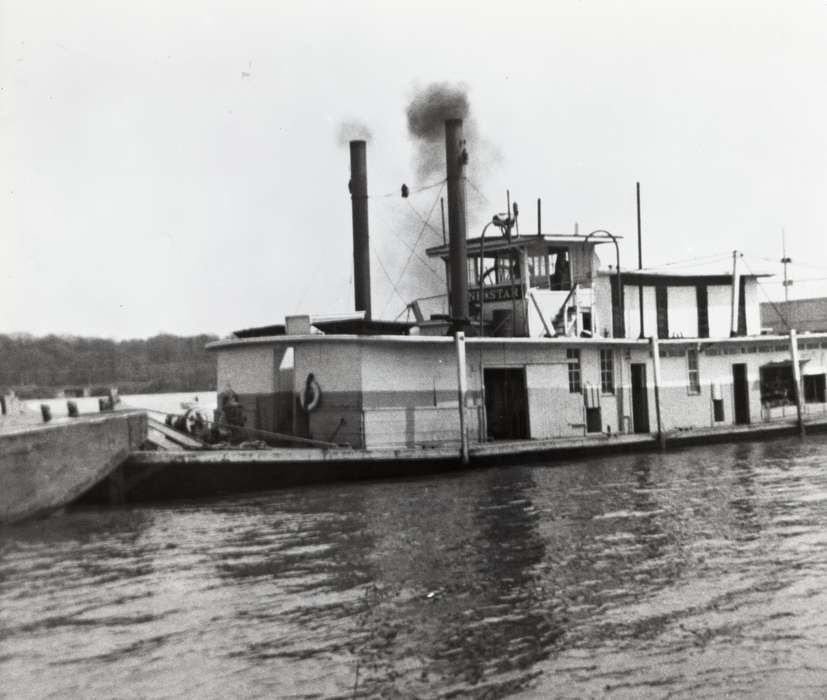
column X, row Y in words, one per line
column 62, row 366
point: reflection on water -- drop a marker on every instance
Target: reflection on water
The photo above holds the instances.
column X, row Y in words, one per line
column 695, row 573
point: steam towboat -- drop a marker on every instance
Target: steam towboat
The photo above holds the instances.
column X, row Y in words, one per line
column 540, row 351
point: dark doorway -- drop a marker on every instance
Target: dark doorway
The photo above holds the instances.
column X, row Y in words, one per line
column 740, row 392
column 640, row 399
column 506, row 404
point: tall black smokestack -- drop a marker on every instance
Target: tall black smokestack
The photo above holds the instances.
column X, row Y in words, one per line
column 456, row 157
column 361, row 241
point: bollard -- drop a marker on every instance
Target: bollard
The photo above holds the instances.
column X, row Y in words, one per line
column 72, row 409
column 46, row 412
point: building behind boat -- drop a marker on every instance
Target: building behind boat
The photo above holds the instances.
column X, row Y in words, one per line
column 555, row 346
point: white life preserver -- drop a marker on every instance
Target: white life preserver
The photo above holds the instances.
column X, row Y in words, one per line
column 310, row 396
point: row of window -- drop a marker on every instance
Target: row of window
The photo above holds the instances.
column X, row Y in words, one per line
column 607, row 371
column 814, row 386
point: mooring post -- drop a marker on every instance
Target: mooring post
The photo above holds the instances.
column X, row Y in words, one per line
column 459, row 338
column 799, row 405
column 653, row 342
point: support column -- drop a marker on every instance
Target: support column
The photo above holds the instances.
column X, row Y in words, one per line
column 799, row 399
column 462, row 390
column 654, row 345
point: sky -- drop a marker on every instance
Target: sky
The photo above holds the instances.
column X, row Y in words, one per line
column 176, row 166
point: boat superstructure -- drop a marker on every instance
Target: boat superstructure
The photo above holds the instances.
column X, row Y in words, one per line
column 539, row 343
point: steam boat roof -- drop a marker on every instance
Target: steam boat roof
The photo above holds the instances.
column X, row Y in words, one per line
column 494, row 243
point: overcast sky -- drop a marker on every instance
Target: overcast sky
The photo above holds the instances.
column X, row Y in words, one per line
column 174, row 166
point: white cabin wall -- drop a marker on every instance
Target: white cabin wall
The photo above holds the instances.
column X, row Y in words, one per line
column 410, row 394
column 682, row 305
column 631, row 303
column 250, row 370
column 720, row 310
column 603, row 305
column 552, row 410
column 337, row 368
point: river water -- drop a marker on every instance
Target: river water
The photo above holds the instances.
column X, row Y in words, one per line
column 699, row 573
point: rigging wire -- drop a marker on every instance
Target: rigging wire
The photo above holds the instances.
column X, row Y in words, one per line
column 378, row 260
column 416, row 243
column 687, row 261
column 764, row 291
column 417, row 190
column 798, row 281
column 420, row 258
column 430, row 226
column 477, row 190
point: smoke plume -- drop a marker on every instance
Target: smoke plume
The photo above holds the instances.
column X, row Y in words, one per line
column 426, row 113
column 352, row 130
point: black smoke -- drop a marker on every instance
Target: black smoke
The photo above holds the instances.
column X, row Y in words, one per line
column 427, row 112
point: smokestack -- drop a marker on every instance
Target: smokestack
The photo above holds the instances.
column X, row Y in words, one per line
column 361, row 242
column 456, row 157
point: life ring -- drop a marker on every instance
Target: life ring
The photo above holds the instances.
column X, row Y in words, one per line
column 311, row 394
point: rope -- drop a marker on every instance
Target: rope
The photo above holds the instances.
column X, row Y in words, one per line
column 259, row 431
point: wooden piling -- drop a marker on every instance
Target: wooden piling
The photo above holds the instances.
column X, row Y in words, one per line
column 459, row 338
column 653, row 342
column 799, row 403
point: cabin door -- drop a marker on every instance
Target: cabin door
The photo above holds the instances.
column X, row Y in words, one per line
column 640, row 398
column 506, row 404
column 740, row 393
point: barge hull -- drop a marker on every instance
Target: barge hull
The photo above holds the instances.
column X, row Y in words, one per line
column 160, row 476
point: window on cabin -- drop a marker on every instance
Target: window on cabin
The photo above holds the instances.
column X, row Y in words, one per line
column 702, row 297
column 777, row 385
column 508, row 267
column 814, row 388
column 662, row 308
column 559, row 269
column 607, row 372
column 573, row 357
column 538, row 270
column 694, row 371
column 473, row 271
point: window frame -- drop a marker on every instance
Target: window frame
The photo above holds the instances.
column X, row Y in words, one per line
column 693, row 374
column 607, row 371
column 575, row 373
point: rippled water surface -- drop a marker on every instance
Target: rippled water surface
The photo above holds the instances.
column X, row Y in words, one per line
column 698, row 573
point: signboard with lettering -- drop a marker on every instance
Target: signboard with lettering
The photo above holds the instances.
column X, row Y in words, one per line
column 499, row 293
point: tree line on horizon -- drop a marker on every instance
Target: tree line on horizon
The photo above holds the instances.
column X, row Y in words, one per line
column 39, row 366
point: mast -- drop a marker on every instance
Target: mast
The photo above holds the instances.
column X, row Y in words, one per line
column 736, row 280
